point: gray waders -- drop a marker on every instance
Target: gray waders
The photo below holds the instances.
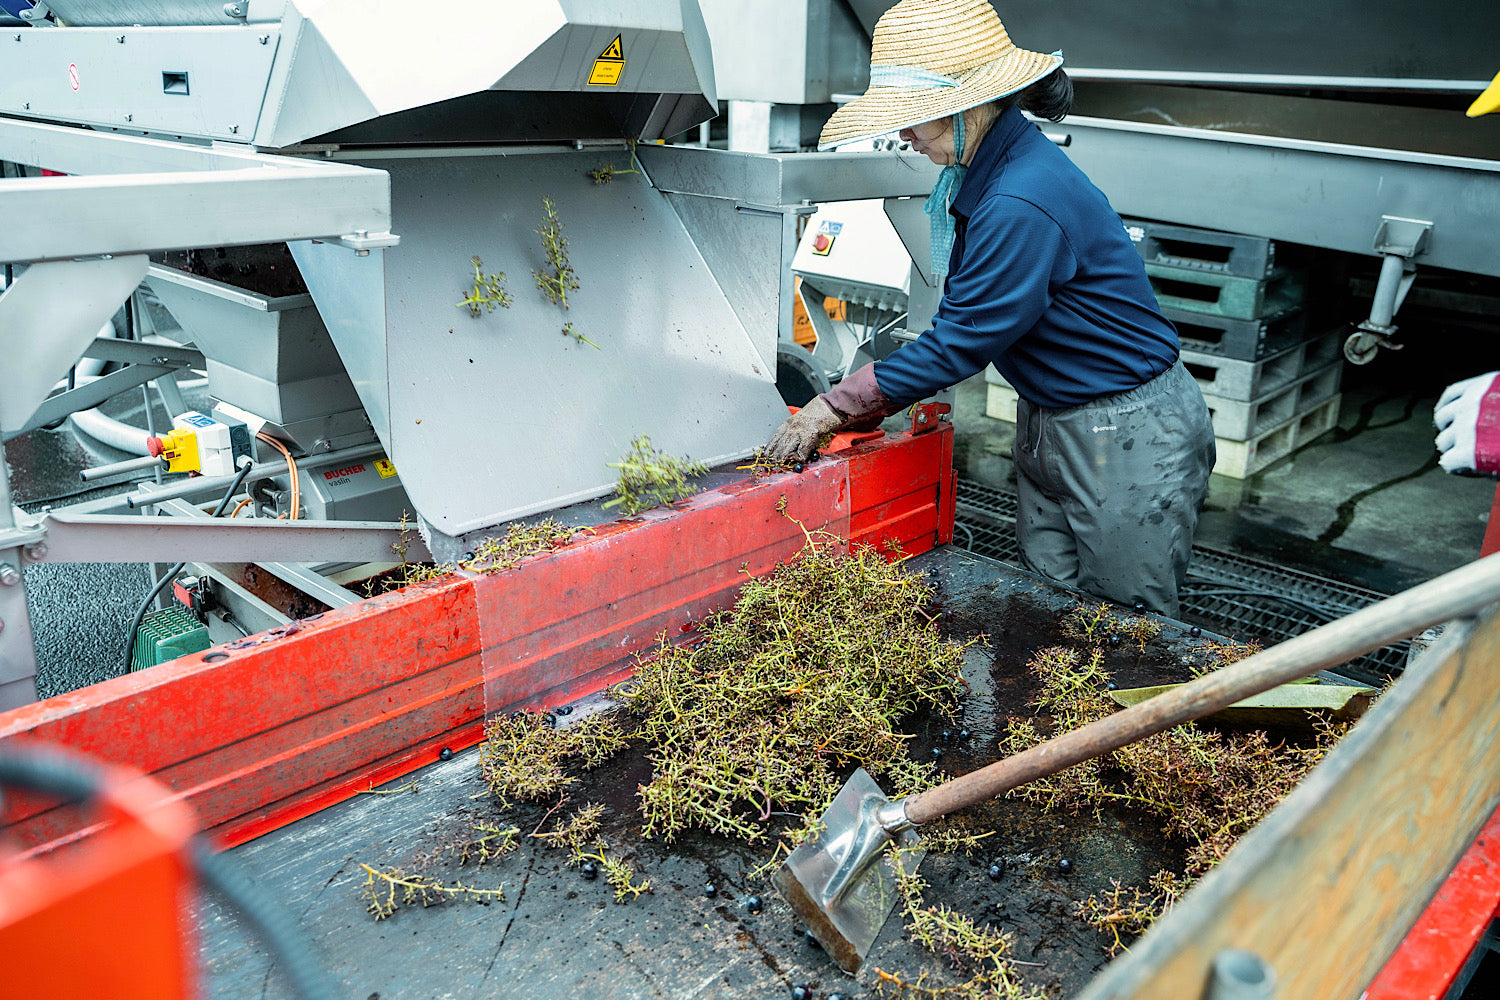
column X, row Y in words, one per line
column 1108, row 492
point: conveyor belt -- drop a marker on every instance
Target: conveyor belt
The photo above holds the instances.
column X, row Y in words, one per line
column 556, row 935
column 1232, row 594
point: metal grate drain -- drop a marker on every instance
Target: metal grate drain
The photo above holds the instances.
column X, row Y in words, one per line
column 1233, row 594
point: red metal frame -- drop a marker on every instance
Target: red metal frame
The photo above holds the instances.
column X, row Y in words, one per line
column 1434, row 951
column 260, row 732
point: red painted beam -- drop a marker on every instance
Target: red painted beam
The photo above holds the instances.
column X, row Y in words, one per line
column 259, row 732
column 1434, row 951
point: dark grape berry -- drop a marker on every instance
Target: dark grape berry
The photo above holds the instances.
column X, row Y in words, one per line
column 754, row 904
column 963, row 734
column 1114, row 639
column 564, row 710
column 551, row 720
column 1064, row 865
column 1111, row 685
column 796, row 466
column 812, row 939
column 996, row 871
column 589, row 871
column 946, row 734
column 1140, row 605
column 800, row 992
column 937, row 752
column 445, row 754
column 1195, row 631
column 710, row 890
column 815, row 456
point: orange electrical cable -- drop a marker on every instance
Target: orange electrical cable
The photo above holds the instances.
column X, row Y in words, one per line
column 291, row 465
column 240, row 506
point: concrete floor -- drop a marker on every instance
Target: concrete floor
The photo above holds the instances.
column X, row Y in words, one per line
column 1364, row 504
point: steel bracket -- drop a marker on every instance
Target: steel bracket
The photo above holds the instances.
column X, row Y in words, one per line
column 38, row 14
column 362, row 242
column 926, row 417
column 1402, row 237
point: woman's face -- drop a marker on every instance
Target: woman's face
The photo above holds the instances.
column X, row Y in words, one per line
column 933, row 139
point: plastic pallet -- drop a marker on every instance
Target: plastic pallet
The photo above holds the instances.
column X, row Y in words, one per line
column 1230, row 378
column 1225, row 294
column 1241, row 459
column 1238, row 420
column 1000, row 402
column 1202, row 249
column 1245, row 339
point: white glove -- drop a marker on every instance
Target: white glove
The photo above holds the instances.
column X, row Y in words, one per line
column 1468, row 436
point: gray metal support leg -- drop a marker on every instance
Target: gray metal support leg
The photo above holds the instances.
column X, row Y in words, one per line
column 17, row 654
column 1397, row 241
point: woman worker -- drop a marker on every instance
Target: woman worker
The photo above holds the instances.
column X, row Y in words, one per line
column 1113, row 441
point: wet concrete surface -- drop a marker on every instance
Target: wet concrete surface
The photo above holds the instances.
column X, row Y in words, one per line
column 559, row 935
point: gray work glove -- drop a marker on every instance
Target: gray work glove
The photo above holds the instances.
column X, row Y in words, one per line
column 856, row 403
column 799, row 434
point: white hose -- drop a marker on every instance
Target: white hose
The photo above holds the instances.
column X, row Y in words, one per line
column 99, row 425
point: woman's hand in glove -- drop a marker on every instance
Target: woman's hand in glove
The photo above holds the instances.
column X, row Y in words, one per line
column 799, row 434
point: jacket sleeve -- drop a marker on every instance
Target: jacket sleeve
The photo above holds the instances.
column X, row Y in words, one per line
column 1015, row 258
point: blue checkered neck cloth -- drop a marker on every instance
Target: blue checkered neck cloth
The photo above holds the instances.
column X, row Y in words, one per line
column 940, row 223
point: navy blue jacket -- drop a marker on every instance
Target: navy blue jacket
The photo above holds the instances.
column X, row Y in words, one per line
column 1044, row 283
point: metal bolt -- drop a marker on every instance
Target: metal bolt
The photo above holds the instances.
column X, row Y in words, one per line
column 9, row 575
column 921, row 418
column 36, row 552
column 361, row 253
column 264, row 39
column 120, row 39
column 28, row 105
column 234, row 129
column 130, row 118
column 233, row 10
column 18, row 38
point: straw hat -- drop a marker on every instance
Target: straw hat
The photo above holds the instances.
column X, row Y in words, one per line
column 930, row 59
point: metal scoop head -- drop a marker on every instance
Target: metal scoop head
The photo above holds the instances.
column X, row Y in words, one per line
column 837, row 881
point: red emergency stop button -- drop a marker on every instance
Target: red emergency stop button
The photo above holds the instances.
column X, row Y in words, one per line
column 822, row 243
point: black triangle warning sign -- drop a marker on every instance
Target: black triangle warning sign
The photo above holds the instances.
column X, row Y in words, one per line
column 609, row 67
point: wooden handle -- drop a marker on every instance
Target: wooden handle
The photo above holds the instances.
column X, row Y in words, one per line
column 1461, row 592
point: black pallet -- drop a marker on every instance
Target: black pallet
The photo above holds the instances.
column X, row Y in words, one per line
column 1202, row 249
column 1244, row 339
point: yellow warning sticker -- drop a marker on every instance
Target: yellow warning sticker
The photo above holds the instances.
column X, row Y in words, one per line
column 385, row 468
column 609, row 66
